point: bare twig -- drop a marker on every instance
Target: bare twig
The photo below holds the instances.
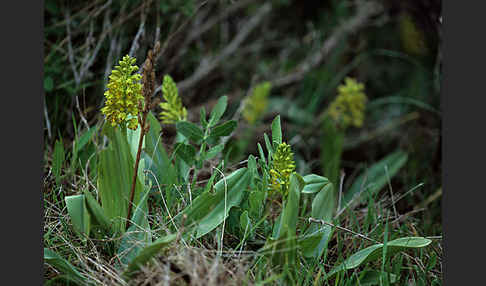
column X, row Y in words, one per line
column 83, row 119
column 140, row 32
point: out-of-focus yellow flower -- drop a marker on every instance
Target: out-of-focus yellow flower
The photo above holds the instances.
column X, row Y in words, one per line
column 124, row 95
column 256, row 103
column 413, row 39
column 172, row 109
column 283, row 166
column 349, row 106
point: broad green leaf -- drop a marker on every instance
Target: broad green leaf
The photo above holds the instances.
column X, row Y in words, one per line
column 190, row 130
column 133, row 139
column 209, row 210
column 115, row 175
column 97, row 215
column 375, row 251
column 211, row 153
column 314, row 183
column 58, row 160
column 79, row 214
column 316, row 236
column 218, row 110
column 223, row 129
column 276, row 132
column 156, row 158
column 185, row 152
column 376, row 176
column 147, row 253
column 53, row 259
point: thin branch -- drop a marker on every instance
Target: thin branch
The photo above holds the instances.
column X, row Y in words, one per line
column 90, row 62
column 70, row 48
column 141, row 30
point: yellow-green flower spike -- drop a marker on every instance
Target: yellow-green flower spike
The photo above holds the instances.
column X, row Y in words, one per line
column 349, row 106
column 256, row 103
column 172, row 110
column 283, row 166
column 124, row 95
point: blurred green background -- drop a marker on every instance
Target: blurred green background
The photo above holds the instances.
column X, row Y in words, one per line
column 304, row 49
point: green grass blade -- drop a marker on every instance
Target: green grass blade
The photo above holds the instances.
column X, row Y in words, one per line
column 147, row 253
column 58, row 160
column 61, row 264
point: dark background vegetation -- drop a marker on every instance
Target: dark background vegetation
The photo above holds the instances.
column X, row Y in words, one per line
column 304, row 48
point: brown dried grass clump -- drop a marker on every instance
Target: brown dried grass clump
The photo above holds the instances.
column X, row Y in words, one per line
column 193, row 266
